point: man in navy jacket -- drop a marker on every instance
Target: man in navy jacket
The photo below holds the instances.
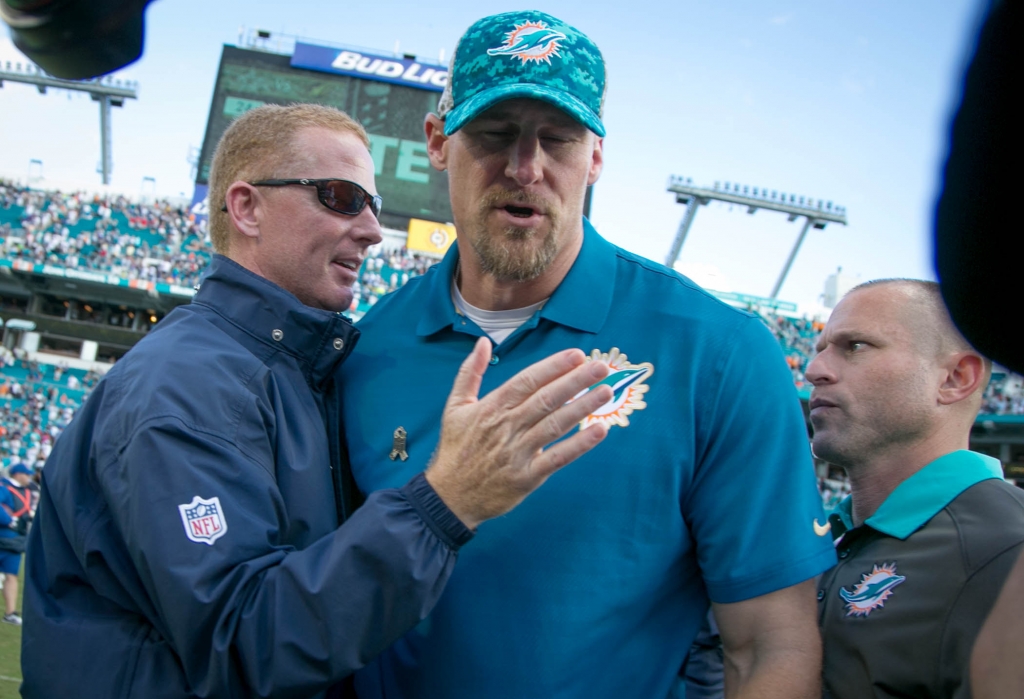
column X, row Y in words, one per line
column 188, row 539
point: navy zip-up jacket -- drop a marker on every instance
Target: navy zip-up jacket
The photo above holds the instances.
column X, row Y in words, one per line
column 187, row 540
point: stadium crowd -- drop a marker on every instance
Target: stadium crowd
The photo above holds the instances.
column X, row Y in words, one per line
column 1004, row 396
column 797, row 337
column 155, row 242
column 833, row 489
column 383, row 272
column 37, row 401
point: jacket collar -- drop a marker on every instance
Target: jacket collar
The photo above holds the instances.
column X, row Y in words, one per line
column 582, row 301
column 269, row 315
column 922, row 496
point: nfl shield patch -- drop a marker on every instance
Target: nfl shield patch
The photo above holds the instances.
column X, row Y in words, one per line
column 204, row 520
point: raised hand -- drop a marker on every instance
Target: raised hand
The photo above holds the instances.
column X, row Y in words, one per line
column 491, row 454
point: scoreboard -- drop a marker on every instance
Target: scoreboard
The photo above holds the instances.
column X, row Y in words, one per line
column 388, row 96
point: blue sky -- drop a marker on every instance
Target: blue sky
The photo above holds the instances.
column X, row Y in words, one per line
column 842, row 101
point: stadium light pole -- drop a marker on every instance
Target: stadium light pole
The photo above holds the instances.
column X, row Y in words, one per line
column 818, row 213
column 107, row 91
column 106, row 161
column 692, row 203
column 792, row 256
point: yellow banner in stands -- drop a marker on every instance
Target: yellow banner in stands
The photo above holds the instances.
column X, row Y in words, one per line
column 429, row 236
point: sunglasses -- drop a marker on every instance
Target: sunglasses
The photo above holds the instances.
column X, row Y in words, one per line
column 337, row 195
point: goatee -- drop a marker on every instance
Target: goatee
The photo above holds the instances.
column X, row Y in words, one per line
column 514, row 253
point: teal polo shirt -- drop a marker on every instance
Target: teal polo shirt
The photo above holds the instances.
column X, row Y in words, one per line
column 597, row 583
column 900, row 612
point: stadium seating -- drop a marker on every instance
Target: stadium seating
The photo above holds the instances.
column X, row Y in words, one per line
column 154, row 242
column 36, row 402
column 382, row 273
column 1004, row 395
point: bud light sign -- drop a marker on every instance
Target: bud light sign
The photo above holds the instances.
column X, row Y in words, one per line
column 401, row 71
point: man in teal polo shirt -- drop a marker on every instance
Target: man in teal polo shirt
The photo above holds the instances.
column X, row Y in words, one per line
column 931, row 529
column 703, row 488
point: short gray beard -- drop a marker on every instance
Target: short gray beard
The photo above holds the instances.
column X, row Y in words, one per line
column 507, row 256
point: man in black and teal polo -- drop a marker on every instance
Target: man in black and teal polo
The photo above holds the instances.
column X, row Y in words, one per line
column 703, row 489
column 931, row 529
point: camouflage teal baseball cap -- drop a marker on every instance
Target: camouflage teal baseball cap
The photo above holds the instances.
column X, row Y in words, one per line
column 524, row 54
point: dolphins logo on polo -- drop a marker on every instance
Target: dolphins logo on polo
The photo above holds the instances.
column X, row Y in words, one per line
column 628, row 388
column 872, row 591
column 532, row 41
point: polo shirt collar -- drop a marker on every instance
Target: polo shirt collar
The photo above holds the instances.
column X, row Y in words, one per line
column 584, row 298
column 582, row 301
column 922, row 496
column 439, row 308
column 318, row 339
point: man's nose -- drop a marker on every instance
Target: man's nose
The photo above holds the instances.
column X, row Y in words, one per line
column 366, row 228
column 818, row 371
column 525, row 163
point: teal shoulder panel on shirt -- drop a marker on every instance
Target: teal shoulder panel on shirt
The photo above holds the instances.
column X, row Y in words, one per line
column 920, row 497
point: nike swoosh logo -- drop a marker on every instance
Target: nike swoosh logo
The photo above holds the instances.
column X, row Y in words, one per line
column 821, row 530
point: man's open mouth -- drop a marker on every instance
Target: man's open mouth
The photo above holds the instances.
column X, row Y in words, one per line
column 520, row 211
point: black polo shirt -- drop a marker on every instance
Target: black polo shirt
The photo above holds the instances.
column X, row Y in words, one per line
column 914, row 583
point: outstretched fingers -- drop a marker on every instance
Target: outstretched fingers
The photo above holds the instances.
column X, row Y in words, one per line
column 533, row 378
column 568, row 450
column 466, row 388
column 578, row 386
column 491, row 453
column 555, row 424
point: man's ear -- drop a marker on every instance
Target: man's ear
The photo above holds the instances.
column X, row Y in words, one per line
column 596, row 161
column 437, row 142
column 243, row 202
column 965, row 374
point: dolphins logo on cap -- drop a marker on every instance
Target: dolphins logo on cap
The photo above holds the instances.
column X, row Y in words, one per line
column 532, row 41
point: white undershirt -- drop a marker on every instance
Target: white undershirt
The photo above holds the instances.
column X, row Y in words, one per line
column 497, row 324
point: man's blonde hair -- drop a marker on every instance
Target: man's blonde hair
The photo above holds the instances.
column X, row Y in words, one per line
column 258, row 145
